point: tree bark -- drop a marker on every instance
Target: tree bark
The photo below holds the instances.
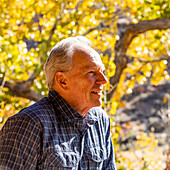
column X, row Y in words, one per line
column 22, row 89
column 131, row 31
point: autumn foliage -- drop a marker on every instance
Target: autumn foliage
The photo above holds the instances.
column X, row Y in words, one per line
column 132, row 37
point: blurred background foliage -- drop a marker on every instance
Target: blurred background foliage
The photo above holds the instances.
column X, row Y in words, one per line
column 30, row 28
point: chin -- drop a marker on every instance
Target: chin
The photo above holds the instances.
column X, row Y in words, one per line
column 97, row 103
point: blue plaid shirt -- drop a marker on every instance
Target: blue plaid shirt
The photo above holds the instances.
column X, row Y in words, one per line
column 51, row 135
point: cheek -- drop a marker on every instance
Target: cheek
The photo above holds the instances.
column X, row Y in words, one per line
column 83, row 85
column 88, row 85
column 90, row 81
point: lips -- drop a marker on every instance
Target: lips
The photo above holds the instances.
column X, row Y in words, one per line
column 98, row 92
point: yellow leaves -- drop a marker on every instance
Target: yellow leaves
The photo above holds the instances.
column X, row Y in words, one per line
column 71, row 4
column 59, row 28
column 114, row 105
column 146, row 141
column 10, row 105
column 7, row 110
column 129, row 86
column 141, row 79
column 158, row 72
column 147, row 73
column 86, row 4
column 144, row 153
column 2, row 57
column 146, row 69
column 115, row 136
column 111, row 69
column 90, row 20
column 27, row 19
column 105, row 60
column 155, row 45
column 37, row 36
column 3, row 23
column 18, row 63
column 41, row 21
column 40, row 5
column 90, row 3
column 13, row 39
column 131, row 70
column 5, row 89
column 135, row 21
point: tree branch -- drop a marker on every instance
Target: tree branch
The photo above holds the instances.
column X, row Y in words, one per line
column 22, row 89
column 132, row 30
column 163, row 57
column 103, row 24
column 97, row 27
column 55, row 23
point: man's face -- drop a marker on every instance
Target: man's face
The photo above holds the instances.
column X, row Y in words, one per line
column 85, row 80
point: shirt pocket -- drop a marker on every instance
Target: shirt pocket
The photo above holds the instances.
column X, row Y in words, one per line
column 97, row 153
column 61, row 158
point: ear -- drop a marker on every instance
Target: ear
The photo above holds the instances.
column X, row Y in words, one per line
column 61, row 80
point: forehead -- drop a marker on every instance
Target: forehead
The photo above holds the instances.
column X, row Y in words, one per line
column 86, row 58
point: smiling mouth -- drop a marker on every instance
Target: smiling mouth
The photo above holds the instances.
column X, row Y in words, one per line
column 97, row 92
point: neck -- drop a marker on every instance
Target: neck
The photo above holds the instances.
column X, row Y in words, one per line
column 81, row 111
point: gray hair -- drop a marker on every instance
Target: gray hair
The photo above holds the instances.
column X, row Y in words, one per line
column 60, row 58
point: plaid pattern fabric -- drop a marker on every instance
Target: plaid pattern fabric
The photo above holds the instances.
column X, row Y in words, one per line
column 51, row 135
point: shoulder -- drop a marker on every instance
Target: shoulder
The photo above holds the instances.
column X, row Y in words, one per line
column 99, row 113
column 103, row 120
column 34, row 114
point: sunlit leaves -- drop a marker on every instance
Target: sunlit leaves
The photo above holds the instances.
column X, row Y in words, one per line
column 142, row 152
column 146, row 9
column 29, row 29
column 158, row 73
column 11, row 105
column 145, row 57
column 111, row 69
column 35, row 20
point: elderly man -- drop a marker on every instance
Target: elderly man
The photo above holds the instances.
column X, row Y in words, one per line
column 67, row 129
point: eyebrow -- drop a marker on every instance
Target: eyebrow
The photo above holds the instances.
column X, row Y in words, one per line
column 92, row 67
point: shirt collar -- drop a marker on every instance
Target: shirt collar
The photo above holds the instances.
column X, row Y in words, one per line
column 67, row 111
column 60, row 105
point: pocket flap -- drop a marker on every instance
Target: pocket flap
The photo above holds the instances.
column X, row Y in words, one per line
column 62, row 158
column 97, row 153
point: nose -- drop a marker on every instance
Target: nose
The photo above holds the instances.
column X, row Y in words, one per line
column 102, row 79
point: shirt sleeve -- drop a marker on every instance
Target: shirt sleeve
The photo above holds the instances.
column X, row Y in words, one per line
column 19, row 143
column 109, row 163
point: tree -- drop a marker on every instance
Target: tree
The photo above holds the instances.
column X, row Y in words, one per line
column 132, row 37
column 27, row 37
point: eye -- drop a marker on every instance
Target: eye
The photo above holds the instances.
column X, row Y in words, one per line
column 91, row 72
